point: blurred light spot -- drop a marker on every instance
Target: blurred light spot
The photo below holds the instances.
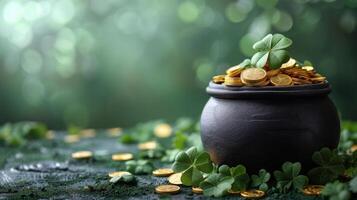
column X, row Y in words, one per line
column 237, row 12
column 128, row 22
column 63, row 11
column 33, row 10
column 66, row 40
column 260, row 26
column 282, row 21
column 246, row 44
column 33, row 91
column 13, row 12
column 77, row 114
column 208, row 17
column 266, row 4
column 21, row 35
column 310, row 19
column 204, row 72
column 188, row 11
column 31, row 61
column 65, row 70
column 11, row 64
column 348, row 22
column 85, row 41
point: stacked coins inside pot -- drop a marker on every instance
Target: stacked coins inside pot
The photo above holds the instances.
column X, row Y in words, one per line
column 290, row 73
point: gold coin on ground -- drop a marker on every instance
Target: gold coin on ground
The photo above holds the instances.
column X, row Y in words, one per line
column 234, row 71
column 163, row 172
column 353, row 148
column 175, row 179
column 87, row 133
column 313, row 190
column 114, row 132
column 230, row 191
column 233, row 81
column 281, row 80
column 290, row 63
column 197, row 190
column 167, row 189
column 118, row 173
column 163, row 130
column 218, row 79
column 82, row 155
column 71, row 138
column 253, row 75
column 252, row 194
column 147, row 145
column 50, row 135
column 122, row 156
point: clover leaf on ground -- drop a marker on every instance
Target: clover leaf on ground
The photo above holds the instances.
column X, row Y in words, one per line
column 336, row 191
column 289, row 177
column 139, row 166
column 330, row 166
column 271, row 51
column 192, row 164
column 239, row 174
column 260, row 181
column 125, row 178
column 216, row 185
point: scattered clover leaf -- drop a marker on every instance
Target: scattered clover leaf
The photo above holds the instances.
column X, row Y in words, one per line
column 170, row 155
column 180, row 140
column 260, row 181
column 271, row 51
column 336, row 191
column 289, row 177
column 125, row 178
column 139, row 166
column 216, row 185
column 193, row 164
column 152, row 153
column 239, row 174
column 353, row 185
column 330, row 166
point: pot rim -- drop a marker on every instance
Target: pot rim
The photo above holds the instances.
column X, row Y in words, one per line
column 225, row 92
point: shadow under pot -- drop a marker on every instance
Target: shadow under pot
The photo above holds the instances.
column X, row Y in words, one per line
column 263, row 127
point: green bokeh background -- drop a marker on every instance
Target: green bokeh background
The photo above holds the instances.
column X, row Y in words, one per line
column 118, row 62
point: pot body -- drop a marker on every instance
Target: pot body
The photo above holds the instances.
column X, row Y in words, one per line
column 264, row 132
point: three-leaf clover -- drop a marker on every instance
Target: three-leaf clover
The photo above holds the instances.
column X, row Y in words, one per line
column 260, row 181
column 271, row 51
column 139, row 166
column 126, row 178
column 193, row 164
column 330, row 166
column 239, row 174
column 289, row 177
column 336, row 191
column 216, row 185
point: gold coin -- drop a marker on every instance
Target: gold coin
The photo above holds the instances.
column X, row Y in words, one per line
column 87, row 133
column 175, row 179
column 122, row 156
column 163, row 172
column 50, row 135
column 71, row 138
column 253, row 75
column 163, row 130
column 318, row 79
column 118, row 173
column 290, row 63
column 353, row 148
column 281, row 80
column 114, row 132
column 308, row 68
column 167, row 189
column 218, row 79
column 233, row 81
column 273, row 72
column 313, row 190
column 230, row 191
column 234, row 71
column 82, row 155
column 147, row 145
column 197, row 190
column 252, row 194
column 261, row 83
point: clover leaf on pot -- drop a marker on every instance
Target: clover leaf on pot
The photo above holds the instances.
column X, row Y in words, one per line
column 289, row 177
column 330, row 166
column 336, row 191
column 271, row 51
column 216, row 185
column 260, row 181
column 192, row 164
column 239, row 174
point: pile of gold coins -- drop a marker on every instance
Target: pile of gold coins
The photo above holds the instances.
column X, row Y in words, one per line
column 290, row 73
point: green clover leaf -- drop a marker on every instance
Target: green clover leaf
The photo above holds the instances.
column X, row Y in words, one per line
column 245, row 63
column 260, row 181
column 336, row 191
column 216, row 185
column 238, row 173
column 125, row 178
column 139, row 166
column 289, row 177
column 330, row 166
column 271, row 51
column 193, row 164
column 353, row 185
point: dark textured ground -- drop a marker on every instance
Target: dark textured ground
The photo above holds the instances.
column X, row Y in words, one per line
column 44, row 170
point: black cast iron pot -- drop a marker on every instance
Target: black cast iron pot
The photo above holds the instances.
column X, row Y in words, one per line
column 262, row 127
